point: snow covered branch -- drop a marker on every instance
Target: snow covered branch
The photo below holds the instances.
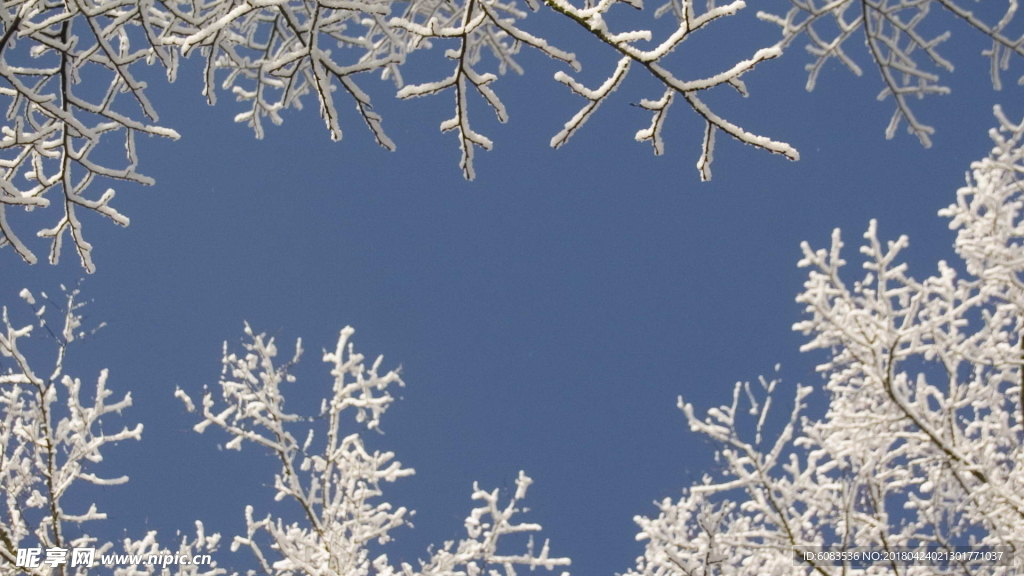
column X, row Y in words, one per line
column 51, row 439
column 67, row 76
column 592, row 18
column 70, row 73
column 921, row 446
column 906, row 56
column 335, row 481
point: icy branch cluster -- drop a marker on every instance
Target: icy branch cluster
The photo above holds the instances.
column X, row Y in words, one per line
column 51, row 439
column 896, row 32
column 923, row 440
column 70, row 74
column 653, row 60
column 276, row 52
column 71, row 97
column 71, row 78
column 335, row 481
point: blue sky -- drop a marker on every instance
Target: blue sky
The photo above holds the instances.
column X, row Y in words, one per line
column 546, row 316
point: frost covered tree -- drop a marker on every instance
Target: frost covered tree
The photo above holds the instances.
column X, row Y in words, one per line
column 75, row 80
column 335, row 481
column 52, row 440
column 907, row 56
column 922, row 444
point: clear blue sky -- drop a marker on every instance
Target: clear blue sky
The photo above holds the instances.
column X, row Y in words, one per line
column 545, row 316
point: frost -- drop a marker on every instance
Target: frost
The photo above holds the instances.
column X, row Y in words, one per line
column 922, row 441
column 51, row 438
column 337, row 486
column 592, row 17
column 74, row 102
column 906, row 55
column 68, row 75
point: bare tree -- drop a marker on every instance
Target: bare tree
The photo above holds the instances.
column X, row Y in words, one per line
column 921, row 446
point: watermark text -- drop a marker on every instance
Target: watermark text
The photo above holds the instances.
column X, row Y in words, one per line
column 53, row 557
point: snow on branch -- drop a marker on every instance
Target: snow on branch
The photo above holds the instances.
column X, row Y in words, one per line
column 921, row 445
column 907, row 58
column 61, row 122
column 69, row 73
column 335, row 481
column 592, row 18
column 52, row 439
column 482, row 24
